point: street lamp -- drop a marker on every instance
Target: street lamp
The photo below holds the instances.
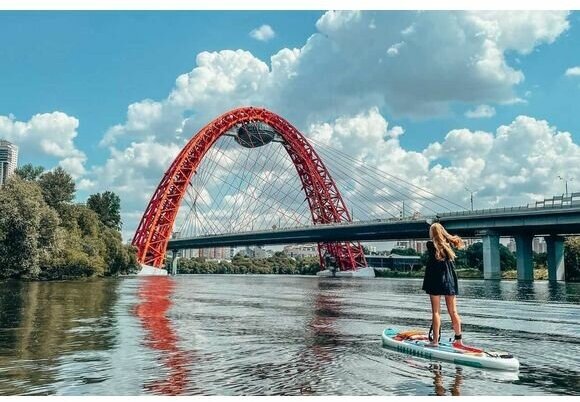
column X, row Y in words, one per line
column 566, row 180
column 471, row 192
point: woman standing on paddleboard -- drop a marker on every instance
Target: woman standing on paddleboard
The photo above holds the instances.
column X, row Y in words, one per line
column 441, row 280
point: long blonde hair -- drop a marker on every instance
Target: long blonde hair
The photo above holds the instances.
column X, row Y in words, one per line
column 443, row 242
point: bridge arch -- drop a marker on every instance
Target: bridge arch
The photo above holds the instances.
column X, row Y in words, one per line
column 324, row 200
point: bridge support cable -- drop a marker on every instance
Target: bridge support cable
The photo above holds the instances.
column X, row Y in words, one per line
column 261, row 193
column 236, row 210
column 378, row 171
column 239, row 193
column 413, row 198
column 344, row 171
column 251, row 192
column 250, row 196
column 368, row 185
column 379, row 176
column 325, row 203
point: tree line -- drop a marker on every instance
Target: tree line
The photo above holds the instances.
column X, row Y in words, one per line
column 279, row 263
column 45, row 235
column 470, row 257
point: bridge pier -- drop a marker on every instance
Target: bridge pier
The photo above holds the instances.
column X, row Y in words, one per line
column 525, row 257
column 555, row 249
column 491, row 266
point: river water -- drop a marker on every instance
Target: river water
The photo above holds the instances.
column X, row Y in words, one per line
column 275, row 335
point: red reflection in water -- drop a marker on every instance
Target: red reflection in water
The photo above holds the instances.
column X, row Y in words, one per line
column 323, row 327
column 321, row 339
column 155, row 301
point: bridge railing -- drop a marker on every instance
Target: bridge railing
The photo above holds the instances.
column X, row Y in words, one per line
column 555, row 203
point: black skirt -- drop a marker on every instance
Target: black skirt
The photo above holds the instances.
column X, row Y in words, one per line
column 440, row 277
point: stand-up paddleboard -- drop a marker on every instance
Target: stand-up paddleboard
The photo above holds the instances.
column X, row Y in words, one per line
column 413, row 342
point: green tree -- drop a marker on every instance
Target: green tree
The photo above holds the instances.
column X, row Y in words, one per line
column 28, row 229
column 404, row 251
column 279, row 263
column 44, row 236
column 90, row 248
column 572, row 258
column 120, row 258
column 58, row 187
column 472, row 257
column 108, row 208
column 83, row 249
column 29, row 172
column 133, row 265
column 540, row 260
column 507, row 259
column 460, row 258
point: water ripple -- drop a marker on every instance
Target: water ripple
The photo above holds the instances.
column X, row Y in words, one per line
column 275, row 335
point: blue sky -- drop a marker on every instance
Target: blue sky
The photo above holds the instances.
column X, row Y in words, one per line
column 91, row 65
column 416, row 71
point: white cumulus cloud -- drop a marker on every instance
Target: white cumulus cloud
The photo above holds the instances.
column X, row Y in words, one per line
column 263, row 33
column 441, row 58
column 507, row 177
column 394, row 50
column 573, row 71
column 481, row 111
column 483, row 161
column 46, row 134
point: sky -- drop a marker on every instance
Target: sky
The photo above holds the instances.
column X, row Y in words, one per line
column 442, row 99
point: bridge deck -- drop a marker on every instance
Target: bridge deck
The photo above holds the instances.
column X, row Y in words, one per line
column 504, row 221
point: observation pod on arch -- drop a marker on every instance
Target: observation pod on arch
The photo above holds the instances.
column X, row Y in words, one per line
column 258, row 128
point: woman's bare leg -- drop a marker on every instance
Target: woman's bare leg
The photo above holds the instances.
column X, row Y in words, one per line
column 451, row 302
column 435, row 318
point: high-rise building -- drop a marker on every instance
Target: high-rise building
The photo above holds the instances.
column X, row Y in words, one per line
column 470, row 241
column 420, row 246
column 403, row 244
column 189, row 253
column 539, row 245
column 301, row 250
column 8, row 160
column 212, row 253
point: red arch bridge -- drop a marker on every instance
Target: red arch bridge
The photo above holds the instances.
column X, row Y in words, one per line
column 250, row 178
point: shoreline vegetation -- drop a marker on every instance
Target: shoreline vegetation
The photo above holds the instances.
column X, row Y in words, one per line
column 309, row 266
column 44, row 235
column 469, row 264
column 540, row 274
